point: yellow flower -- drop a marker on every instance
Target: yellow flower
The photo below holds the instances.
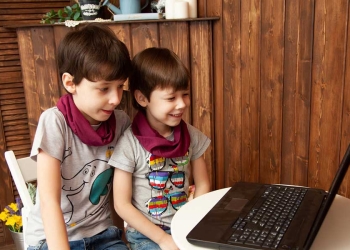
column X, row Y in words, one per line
column 12, row 217
column 4, row 215
column 14, row 207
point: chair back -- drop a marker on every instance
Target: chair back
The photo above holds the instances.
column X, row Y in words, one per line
column 23, row 170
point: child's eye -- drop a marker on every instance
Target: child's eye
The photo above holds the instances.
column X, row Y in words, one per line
column 171, row 98
column 103, row 89
column 121, row 86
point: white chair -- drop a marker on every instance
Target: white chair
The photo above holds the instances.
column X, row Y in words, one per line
column 23, row 171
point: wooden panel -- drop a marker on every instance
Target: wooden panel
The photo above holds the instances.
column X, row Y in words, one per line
column 214, row 8
column 145, row 32
column 297, row 91
column 345, row 187
column 327, row 90
column 272, row 19
column 232, row 92
column 250, row 54
column 28, row 70
column 202, row 102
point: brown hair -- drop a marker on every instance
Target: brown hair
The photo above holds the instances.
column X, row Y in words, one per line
column 95, row 53
column 157, row 68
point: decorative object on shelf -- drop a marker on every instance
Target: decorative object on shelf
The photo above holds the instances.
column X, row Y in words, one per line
column 175, row 9
column 138, row 16
column 67, row 13
column 192, row 8
column 169, row 9
column 12, row 217
column 180, row 10
column 158, row 6
column 90, row 9
column 72, row 23
column 125, row 6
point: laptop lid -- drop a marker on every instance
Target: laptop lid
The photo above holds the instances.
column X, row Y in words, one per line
column 338, row 179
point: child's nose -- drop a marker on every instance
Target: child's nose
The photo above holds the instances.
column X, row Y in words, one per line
column 115, row 98
column 181, row 103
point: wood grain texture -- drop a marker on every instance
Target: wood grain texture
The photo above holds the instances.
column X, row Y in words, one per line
column 232, row 89
column 345, row 187
column 250, row 54
column 297, row 91
column 25, row 45
column 272, row 41
column 327, row 90
column 214, row 8
column 201, row 74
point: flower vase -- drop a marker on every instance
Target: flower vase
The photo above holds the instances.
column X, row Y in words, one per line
column 18, row 240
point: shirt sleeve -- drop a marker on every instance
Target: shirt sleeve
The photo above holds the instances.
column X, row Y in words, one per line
column 124, row 154
column 199, row 142
column 49, row 134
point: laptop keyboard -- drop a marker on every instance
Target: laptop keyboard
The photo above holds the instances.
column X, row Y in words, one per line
column 268, row 220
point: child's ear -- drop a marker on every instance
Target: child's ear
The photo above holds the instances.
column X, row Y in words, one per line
column 140, row 98
column 68, row 84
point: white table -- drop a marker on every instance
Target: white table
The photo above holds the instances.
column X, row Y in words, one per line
column 334, row 233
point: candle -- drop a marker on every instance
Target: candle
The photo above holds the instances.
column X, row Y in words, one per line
column 192, row 8
column 181, row 9
column 169, row 9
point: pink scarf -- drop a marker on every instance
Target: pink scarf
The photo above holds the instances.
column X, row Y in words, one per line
column 156, row 144
column 82, row 128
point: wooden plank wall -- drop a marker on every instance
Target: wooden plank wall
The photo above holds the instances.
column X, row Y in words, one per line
column 281, row 90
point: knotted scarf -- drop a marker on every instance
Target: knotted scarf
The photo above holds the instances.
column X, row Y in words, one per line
column 156, row 144
column 81, row 126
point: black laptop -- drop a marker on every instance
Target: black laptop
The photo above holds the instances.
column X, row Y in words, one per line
column 264, row 216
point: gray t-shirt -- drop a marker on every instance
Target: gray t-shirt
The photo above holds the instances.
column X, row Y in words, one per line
column 169, row 177
column 85, row 175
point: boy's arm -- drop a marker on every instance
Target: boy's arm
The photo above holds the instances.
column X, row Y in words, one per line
column 200, row 177
column 49, row 185
column 122, row 192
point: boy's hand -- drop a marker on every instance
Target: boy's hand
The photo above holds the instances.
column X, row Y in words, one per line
column 167, row 243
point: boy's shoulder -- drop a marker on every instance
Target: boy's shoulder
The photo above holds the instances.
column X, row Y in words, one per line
column 52, row 113
column 121, row 114
column 122, row 118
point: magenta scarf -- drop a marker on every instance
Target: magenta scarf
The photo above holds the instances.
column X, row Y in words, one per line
column 156, row 144
column 82, row 128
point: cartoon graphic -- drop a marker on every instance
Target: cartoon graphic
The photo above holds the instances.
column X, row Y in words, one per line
column 93, row 180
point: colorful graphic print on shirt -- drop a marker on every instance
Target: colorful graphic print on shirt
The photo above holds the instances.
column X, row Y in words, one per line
column 166, row 179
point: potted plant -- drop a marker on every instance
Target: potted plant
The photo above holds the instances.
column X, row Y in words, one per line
column 12, row 217
column 67, row 13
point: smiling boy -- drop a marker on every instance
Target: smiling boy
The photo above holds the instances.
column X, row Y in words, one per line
column 153, row 158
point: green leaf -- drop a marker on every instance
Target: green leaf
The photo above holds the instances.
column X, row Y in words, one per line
column 75, row 6
column 68, row 9
column 76, row 16
column 60, row 13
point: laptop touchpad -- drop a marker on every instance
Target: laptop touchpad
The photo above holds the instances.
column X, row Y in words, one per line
column 236, row 204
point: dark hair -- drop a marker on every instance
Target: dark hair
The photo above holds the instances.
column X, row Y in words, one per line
column 95, row 53
column 157, row 68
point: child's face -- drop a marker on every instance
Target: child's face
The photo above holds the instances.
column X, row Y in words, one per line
column 166, row 108
column 97, row 100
